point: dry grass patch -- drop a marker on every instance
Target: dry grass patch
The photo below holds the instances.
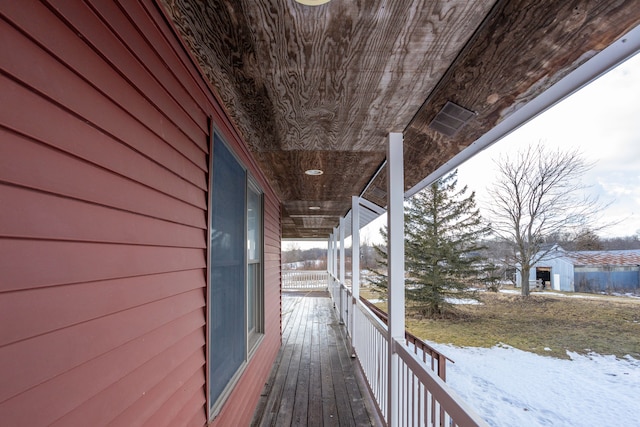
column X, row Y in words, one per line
column 544, row 324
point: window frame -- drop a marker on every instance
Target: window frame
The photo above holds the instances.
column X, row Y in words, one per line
column 253, row 339
column 255, row 336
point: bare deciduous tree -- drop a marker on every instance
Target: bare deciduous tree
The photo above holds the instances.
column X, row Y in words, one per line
column 539, row 193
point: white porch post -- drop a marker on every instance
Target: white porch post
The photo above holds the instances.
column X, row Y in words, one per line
column 355, row 247
column 342, row 264
column 329, row 253
column 395, row 252
column 355, row 266
column 342, row 254
column 334, row 262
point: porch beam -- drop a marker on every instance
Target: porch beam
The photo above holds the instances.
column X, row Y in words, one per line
column 395, row 257
column 371, row 206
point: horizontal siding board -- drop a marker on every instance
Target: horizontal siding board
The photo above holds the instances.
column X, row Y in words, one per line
column 156, row 401
column 103, row 408
column 98, row 34
column 273, row 278
column 26, row 365
column 95, row 106
column 27, row 163
column 111, row 203
column 272, row 253
column 193, row 93
column 70, row 219
column 35, row 312
column 272, row 257
column 272, row 243
column 272, row 217
column 194, row 408
column 30, row 263
column 35, row 67
column 199, row 418
column 272, row 209
column 89, row 379
column 180, row 405
column 104, row 151
column 146, row 53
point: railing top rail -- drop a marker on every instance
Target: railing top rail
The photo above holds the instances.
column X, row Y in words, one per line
column 376, row 321
column 305, row 271
column 408, row 335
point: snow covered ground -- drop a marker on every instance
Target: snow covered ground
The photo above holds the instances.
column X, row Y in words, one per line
column 510, row 387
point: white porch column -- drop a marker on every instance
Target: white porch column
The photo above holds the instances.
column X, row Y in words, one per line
column 355, row 266
column 329, row 253
column 342, row 272
column 342, row 254
column 395, row 252
column 355, row 247
column 334, row 262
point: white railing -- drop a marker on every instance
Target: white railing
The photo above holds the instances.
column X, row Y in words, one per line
column 424, row 398
column 304, row 279
column 372, row 349
column 345, row 305
column 334, row 288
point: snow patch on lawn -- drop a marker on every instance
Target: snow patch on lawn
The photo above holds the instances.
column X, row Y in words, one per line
column 449, row 300
column 462, row 301
column 510, row 291
column 510, row 387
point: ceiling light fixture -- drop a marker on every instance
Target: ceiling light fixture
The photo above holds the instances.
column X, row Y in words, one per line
column 314, row 172
column 312, row 2
column 314, row 208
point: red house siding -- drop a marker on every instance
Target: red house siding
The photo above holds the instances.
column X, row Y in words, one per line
column 104, row 142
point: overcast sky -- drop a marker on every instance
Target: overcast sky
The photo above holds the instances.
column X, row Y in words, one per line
column 603, row 121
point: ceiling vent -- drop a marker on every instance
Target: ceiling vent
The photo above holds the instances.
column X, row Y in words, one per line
column 451, row 119
column 378, row 193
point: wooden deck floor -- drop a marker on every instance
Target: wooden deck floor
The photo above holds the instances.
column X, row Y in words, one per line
column 314, row 381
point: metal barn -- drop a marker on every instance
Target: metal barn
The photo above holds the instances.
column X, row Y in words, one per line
column 588, row 271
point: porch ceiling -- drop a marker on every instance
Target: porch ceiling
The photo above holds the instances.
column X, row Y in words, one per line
column 321, row 87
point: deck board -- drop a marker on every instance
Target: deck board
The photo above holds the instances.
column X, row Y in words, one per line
column 314, row 381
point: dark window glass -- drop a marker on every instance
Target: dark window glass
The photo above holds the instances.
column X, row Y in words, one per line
column 227, row 345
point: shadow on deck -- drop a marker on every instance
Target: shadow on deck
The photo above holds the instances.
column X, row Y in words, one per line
column 314, row 381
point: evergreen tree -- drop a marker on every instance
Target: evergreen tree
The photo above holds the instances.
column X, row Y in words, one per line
column 443, row 232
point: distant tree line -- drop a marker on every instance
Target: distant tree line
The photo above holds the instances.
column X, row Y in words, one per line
column 295, row 254
column 316, row 258
column 590, row 241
